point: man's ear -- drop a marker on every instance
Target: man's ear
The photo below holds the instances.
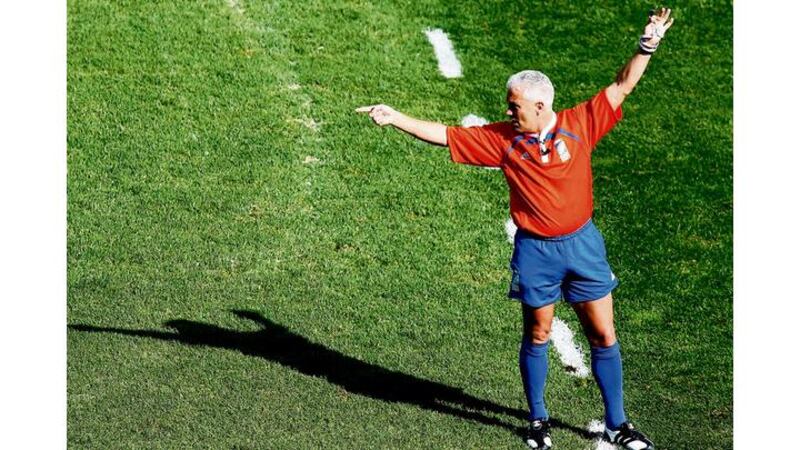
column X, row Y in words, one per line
column 539, row 106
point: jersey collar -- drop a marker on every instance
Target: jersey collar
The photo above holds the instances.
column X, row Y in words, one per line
column 545, row 131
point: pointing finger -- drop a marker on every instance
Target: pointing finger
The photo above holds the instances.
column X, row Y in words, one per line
column 364, row 109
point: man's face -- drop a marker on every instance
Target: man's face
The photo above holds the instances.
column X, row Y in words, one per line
column 524, row 113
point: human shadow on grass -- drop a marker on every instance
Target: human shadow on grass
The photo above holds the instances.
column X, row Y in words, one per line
column 275, row 342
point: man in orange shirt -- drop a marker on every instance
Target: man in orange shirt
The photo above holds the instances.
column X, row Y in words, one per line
column 558, row 252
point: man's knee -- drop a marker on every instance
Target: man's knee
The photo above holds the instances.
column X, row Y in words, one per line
column 540, row 334
column 602, row 337
column 536, row 323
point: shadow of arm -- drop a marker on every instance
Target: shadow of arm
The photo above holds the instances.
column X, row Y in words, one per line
column 163, row 335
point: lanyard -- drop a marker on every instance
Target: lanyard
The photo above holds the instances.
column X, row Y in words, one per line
column 534, row 137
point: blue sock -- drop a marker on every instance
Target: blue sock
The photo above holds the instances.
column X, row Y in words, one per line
column 533, row 368
column 607, row 370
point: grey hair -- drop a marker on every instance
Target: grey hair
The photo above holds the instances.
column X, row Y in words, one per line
column 536, row 86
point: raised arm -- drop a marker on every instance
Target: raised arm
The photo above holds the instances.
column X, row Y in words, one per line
column 629, row 76
column 432, row 132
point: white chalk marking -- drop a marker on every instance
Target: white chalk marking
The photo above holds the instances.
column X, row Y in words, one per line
column 293, row 87
column 443, row 48
column 604, row 445
column 597, row 427
column 511, row 230
column 568, row 351
column 471, row 120
column 310, row 160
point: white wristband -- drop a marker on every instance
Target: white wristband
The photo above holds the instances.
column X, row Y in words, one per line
column 645, row 47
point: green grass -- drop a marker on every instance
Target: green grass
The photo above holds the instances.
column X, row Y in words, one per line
column 383, row 267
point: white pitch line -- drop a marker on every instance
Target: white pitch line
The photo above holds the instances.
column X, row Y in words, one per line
column 443, row 48
column 569, row 352
column 604, row 445
column 597, row 427
column 471, row 120
column 511, row 230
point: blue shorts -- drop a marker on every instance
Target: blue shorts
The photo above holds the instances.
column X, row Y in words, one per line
column 572, row 266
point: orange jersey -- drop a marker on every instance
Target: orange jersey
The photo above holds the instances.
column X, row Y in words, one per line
column 550, row 185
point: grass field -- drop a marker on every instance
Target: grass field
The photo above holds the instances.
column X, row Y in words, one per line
column 252, row 265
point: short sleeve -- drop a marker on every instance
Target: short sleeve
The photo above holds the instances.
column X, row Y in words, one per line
column 478, row 146
column 597, row 117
